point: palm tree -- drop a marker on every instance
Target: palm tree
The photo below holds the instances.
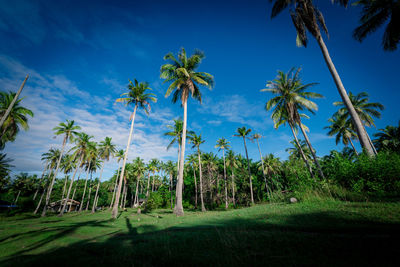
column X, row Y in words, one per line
column 271, row 166
column 5, row 168
column 192, row 159
column 306, row 16
column 298, row 150
column 81, row 148
column 120, row 156
column 170, row 167
column 232, row 163
column 257, row 136
column 243, row 132
column 223, row 144
column 68, row 163
column 16, row 118
column 374, row 14
column 343, row 130
column 153, row 167
column 365, row 110
column 106, row 150
column 197, row 141
column 388, row 138
column 291, row 96
column 138, row 96
column 69, row 130
column 90, row 159
column 184, row 80
column 139, row 169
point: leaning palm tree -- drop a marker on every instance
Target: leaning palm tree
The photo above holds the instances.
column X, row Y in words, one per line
column 16, row 118
column 306, row 17
column 243, row 132
column 81, row 148
column 184, row 80
column 197, row 141
column 69, row 130
column 257, row 136
column 106, row 150
column 291, row 96
column 343, row 130
column 223, row 144
column 138, row 96
column 366, row 110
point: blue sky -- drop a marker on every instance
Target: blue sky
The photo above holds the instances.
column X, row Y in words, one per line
column 80, row 55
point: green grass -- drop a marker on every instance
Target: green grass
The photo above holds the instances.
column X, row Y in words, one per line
column 328, row 233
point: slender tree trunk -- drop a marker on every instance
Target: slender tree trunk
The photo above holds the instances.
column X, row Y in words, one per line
column 355, row 151
column 84, row 190
column 48, row 195
column 114, row 212
column 301, row 151
column 126, row 193
column 16, row 199
column 226, row 188
column 201, row 181
column 370, row 141
column 90, row 190
column 43, row 192
column 177, row 170
column 179, row 185
column 362, row 134
column 137, row 192
column 263, row 171
column 171, row 189
column 9, row 108
column 41, row 179
column 70, row 186
column 113, row 195
column 233, row 188
column 152, row 186
column 73, row 194
column 97, row 189
column 40, row 201
column 312, row 150
column 248, row 167
column 148, row 184
column 195, row 188
column 63, row 193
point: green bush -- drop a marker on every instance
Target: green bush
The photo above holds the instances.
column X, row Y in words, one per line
column 154, row 201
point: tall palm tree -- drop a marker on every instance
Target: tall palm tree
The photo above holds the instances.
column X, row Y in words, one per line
column 306, row 17
column 388, row 138
column 192, row 159
column 81, row 148
column 343, row 130
column 139, row 169
column 256, row 137
column 291, row 95
column 297, row 150
column 17, row 118
column 243, row 132
column 120, row 156
column 223, row 144
column 153, row 167
column 271, row 166
column 170, row 168
column 366, row 110
column 68, row 164
column 232, row 163
column 69, row 130
column 184, row 80
column 197, row 141
column 90, row 159
column 106, row 150
column 138, row 96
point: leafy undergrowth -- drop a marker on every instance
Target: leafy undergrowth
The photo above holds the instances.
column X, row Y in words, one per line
column 328, row 233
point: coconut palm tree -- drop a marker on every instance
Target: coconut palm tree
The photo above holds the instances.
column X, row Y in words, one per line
column 244, row 132
column 256, row 137
column 343, row 130
column 192, row 160
column 271, row 166
column 197, row 141
column 120, row 156
column 232, row 163
column 106, row 150
column 366, row 110
column 139, row 96
column 81, row 148
column 223, row 144
column 139, row 169
column 153, row 167
column 306, row 17
column 90, row 159
column 292, row 96
column 297, row 152
column 17, row 118
column 388, row 138
column 68, row 164
column 184, row 80
column 69, row 130
column 170, row 168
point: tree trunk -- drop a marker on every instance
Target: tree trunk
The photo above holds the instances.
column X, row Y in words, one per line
column 90, row 190
column 170, row 189
column 113, row 195
column 41, row 179
column 9, row 108
column 84, row 190
column 355, row 151
column 195, row 188
column 54, row 178
column 179, row 185
column 233, row 188
column 152, row 186
column 226, row 189
column 263, row 171
column 70, row 186
column 312, row 150
column 97, row 189
column 114, row 212
column 248, row 167
column 40, row 202
column 63, row 193
column 201, row 181
column 148, row 184
column 73, row 194
column 16, row 199
column 177, row 170
column 125, row 194
column 137, row 192
column 362, row 134
column 301, row 151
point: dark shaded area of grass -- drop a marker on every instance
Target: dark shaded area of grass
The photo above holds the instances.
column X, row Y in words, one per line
column 324, row 236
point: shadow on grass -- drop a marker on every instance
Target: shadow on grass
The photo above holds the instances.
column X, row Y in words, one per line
column 318, row 239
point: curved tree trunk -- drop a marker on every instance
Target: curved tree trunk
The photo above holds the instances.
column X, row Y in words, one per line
column 113, row 195
column 84, row 189
column 226, row 189
column 50, row 189
column 195, row 188
column 148, row 184
column 248, row 168
column 97, row 189
column 351, row 142
column 41, row 179
column 40, row 201
column 312, row 150
column 73, row 194
column 179, row 186
column 16, row 199
column 114, row 212
column 70, row 187
column 63, row 193
column 201, row 181
column 362, row 134
column 301, row 151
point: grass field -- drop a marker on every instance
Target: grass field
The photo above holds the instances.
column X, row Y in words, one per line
column 328, row 233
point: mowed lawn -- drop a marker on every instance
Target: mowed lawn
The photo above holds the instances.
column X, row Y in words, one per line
column 328, row 233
